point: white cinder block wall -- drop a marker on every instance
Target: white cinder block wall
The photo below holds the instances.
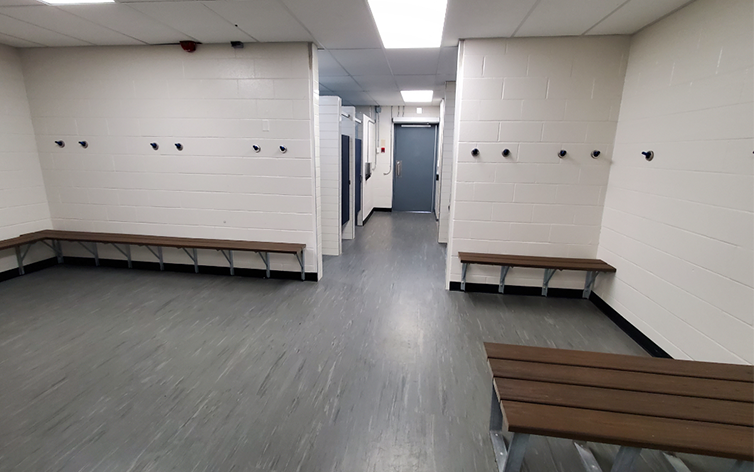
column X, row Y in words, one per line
column 533, row 96
column 217, row 102
column 23, row 201
column 680, row 228
column 446, row 176
column 329, row 142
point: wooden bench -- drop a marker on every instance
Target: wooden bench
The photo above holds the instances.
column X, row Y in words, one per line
column 549, row 264
column 123, row 243
column 634, row 402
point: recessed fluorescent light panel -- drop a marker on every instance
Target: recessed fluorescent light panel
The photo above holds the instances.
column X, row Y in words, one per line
column 75, row 2
column 409, row 23
column 417, row 96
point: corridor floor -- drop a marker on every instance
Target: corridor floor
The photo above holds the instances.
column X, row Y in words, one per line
column 375, row 368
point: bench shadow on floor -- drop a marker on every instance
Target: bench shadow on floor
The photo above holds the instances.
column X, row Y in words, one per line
column 375, row 368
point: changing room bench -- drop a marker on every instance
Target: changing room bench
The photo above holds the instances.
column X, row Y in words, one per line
column 549, row 264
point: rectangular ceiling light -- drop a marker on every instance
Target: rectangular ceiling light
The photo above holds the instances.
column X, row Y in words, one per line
column 417, row 96
column 409, row 23
column 75, row 2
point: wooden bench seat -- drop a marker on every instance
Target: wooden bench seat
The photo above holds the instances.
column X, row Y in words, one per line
column 154, row 244
column 549, row 264
column 634, row 402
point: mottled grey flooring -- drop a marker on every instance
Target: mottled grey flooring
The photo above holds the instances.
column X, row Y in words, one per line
column 376, row 368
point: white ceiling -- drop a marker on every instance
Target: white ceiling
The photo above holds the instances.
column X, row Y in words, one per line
column 353, row 64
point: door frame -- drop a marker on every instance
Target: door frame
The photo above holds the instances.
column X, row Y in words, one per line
column 418, row 123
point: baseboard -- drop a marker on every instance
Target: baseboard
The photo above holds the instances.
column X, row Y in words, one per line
column 519, row 290
column 28, row 268
column 632, row 331
column 389, row 210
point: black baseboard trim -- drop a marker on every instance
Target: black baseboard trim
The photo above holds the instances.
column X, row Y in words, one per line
column 388, row 210
column 519, row 290
column 28, row 268
column 632, row 331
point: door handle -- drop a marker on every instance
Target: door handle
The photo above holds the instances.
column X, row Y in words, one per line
column 398, row 168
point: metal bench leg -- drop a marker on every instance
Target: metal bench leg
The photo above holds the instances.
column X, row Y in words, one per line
column 624, row 461
column 126, row 252
column 675, row 462
column 162, row 263
column 229, row 258
column 591, row 276
column 303, row 266
column 503, row 274
column 92, row 250
column 20, row 256
column 587, row 458
column 464, row 269
column 58, row 251
column 509, row 459
column 546, row 281
column 266, row 259
column 741, row 466
column 194, row 257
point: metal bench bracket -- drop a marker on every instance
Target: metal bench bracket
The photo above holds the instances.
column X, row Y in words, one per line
column 464, row 269
column 509, row 459
column 301, row 262
column 266, row 259
column 55, row 246
column 229, row 258
column 193, row 257
column 92, row 250
column 126, row 253
column 158, row 255
column 624, row 460
column 20, row 256
column 503, row 273
column 591, row 276
column 546, row 282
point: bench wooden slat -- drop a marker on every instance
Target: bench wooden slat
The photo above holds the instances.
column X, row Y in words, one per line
column 623, row 380
column 629, row 402
column 538, row 262
column 693, row 437
column 169, row 241
column 709, row 370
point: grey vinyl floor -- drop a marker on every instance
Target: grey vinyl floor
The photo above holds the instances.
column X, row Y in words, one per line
column 376, row 368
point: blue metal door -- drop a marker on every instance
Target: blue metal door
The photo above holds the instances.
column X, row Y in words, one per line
column 414, row 167
column 345, row 146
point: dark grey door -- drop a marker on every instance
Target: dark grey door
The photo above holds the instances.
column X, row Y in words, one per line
column 414, row 167
column 359, row 178
column 345, row 146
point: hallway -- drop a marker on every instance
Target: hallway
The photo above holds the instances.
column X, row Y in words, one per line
column 375, row 368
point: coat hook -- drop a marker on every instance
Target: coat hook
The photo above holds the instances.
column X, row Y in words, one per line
column 562, row 153
column 506, row 152
column 84, row 144
column 595, row 154
column 155, row 146
column 60, row 143
column 475, row 152
column 283, row 149
column 256, row 148
column 179, row 146
column 648, row 155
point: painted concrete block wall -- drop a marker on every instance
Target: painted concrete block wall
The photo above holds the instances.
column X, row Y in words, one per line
column 533, row 96
column 438, row 164
column 330, row 144
column 348, row 128
column 217, row 102
column 315, row 149
column 23, row 201
column 446, row 172
column 368, row 152
column 680, row 228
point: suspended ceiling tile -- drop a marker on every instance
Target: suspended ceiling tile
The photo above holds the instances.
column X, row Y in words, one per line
column 387, row 98
column 55, row 19
column 340, row 84
column 264, row 20
column 416, row 82
column 194, row 19
column 16, row 42
column 483, row 19
column 337, row 24
column 362, row 61
column 635, row 15
column 355, row 98
column 128, row 21
column 27, row 31
column 448, row 61
column 328, row 66
column 374, row 83
column 19, row 3
column 566, row 18
column 413, row 61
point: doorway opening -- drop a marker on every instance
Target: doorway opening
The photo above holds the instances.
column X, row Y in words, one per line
column 415, row 167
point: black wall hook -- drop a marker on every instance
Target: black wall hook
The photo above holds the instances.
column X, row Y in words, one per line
column 283, row 149
column 60, row 143
column 506, row 152
column 562, row 153
column 155, row 146
column 84, row 144
column 475, row 152
column 595, row 154
column 256, row 148
column 648, row 155
column 179, row 146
